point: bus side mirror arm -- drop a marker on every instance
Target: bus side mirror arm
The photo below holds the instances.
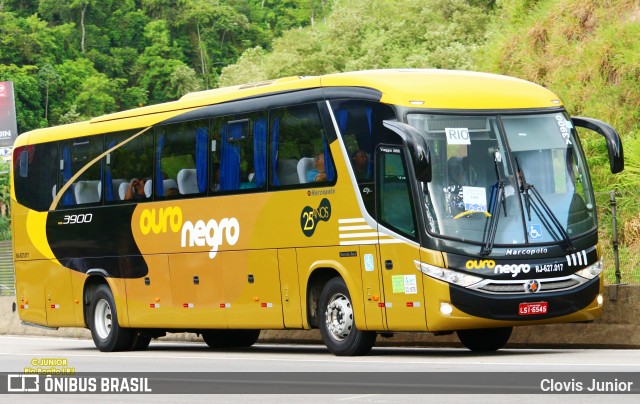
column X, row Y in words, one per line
column 418, row 148
column 422, row 163
column 614, row 144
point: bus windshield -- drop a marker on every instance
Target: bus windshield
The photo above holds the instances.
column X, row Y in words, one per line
column 505, row 179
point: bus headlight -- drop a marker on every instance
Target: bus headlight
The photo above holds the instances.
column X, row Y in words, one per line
column 591, row 271
column 447, row 275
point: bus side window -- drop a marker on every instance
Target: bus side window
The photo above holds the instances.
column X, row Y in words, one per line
column 181, row 159
column 35, row 178
column 127, row 165
column 394, row 194
column 299, row 151
column 75, row 155
column 238, row 153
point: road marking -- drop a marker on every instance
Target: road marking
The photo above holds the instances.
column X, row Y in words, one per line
column 402, row 359
column 357, row 397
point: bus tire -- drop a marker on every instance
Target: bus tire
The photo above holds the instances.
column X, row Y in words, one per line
column 337, row 323
column 107, row 334
column 485, row 339
column 230, row 338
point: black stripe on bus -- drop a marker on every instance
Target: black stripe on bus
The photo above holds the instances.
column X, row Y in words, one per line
column 96, row 238
column 276, row 100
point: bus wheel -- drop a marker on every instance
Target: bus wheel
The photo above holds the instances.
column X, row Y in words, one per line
column 337, row 324
column 485, row 339
column 107, row 334
column 230, row 338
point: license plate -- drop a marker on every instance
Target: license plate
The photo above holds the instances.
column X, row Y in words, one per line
column 527, row 309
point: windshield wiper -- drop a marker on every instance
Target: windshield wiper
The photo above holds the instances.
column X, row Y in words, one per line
column 490, row 234
column 498, row 201
column 539, row 206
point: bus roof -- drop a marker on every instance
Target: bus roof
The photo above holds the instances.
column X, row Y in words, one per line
column 417, row 88
column 448, row 89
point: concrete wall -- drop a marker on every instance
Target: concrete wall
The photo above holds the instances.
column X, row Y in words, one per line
column 619, row 327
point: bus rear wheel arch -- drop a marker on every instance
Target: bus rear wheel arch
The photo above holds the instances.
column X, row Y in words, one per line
column 102, row 319
column 485, row 339
column 107, row 334
column 337, row 322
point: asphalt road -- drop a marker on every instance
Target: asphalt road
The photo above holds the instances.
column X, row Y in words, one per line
column 385, row 375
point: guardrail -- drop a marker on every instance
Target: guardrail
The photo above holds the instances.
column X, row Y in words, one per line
column 7, row 280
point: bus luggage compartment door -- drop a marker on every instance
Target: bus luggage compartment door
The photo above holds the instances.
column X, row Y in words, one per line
column 30, row 291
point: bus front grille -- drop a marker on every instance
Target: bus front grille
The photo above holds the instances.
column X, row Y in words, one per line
column 514, row 287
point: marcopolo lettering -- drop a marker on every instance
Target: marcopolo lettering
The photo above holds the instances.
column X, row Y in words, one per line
column 526, row 251
column 211, row 233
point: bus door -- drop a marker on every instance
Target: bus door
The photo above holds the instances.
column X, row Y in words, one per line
column 372, row 289
column 402, row 283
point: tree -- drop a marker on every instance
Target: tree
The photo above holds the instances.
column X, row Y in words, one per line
column 82, row 5
column 184, row 80
column 72, row 76
column 250, row 68
column 158, row 62
column 71, row 116
column 25, row 40
column 28, row 99
column 360, row 34
column 48, row 78
column 195, row 15
column 97, row 96
column 5, row 199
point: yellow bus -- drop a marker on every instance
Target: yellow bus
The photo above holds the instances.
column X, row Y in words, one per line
column 357, row 203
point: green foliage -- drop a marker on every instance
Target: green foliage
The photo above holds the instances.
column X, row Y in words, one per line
column 5, row 228
column 73, row 59
column 5, row 198
column 184, row 80
column 28, row 98
column 586, row 51
column 367, row 34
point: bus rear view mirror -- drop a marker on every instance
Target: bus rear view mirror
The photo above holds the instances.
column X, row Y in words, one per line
column 614, row 144
column 417, row 146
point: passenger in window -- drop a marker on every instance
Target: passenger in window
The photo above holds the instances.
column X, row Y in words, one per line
column 215, row 187
column 360, row 162
column 457, row 175
column 136, row 190
column 172, row 191
column 250, row 183
column 317, row 174
column 457, row 171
